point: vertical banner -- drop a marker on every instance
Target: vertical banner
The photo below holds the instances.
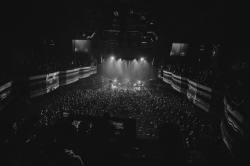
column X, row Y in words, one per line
column 235, row 127
column 52, row 81
column 4, row 94
column 191, row 91
column 37, row 85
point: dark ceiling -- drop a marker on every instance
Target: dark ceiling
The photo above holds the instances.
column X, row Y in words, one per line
column 137, row 22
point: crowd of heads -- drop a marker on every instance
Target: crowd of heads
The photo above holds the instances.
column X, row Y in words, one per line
column 152, row 107
column 150, row 110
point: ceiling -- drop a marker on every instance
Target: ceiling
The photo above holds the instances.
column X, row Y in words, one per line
column 118, row 22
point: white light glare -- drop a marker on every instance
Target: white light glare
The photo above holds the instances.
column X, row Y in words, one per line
column 142, row 59
column 112, row 58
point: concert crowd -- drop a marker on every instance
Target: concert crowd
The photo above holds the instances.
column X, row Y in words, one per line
column 151, row 107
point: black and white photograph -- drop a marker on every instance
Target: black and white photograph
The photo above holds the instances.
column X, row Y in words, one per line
column 123, row 83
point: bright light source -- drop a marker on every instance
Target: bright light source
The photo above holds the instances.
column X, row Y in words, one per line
column 139, row 82
column 142, row 59
column 115, row 80
column 112, row 58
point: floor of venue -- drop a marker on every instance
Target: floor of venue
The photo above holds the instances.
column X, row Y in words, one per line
column 151, row 104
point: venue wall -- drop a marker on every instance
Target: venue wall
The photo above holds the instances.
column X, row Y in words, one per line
column 200, row 95
column 45, row 83
column 233, row 122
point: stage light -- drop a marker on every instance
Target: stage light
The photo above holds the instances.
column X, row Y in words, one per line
column 142, row 59
column 112, row 58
